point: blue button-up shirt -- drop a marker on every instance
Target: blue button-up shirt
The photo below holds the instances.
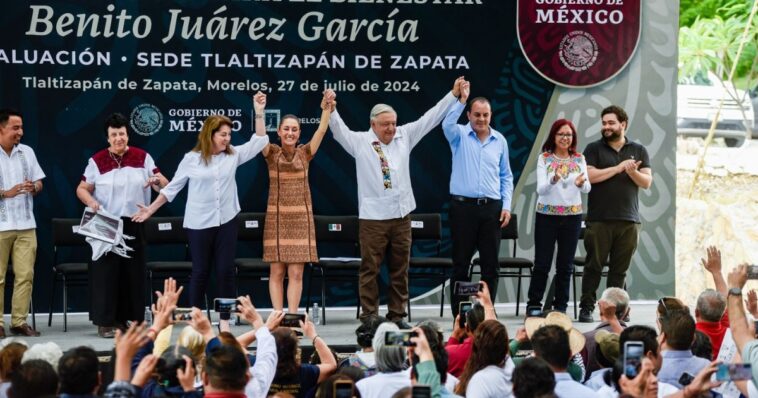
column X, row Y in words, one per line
column 677, row 362
column 480, row 169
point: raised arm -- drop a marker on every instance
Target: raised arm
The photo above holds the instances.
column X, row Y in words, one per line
column 416, row 130
column 450, row 126
column 326, row 111
column 737, row 319
column 259, row 105
column 713, row 265
column 342, row 134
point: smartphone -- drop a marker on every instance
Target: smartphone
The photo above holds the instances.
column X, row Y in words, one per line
column 292, row 320
column 419, row 391
column 467, row 288
column 399, row 337
column 685, row 379
column 534, row 310
column 343, row 389
column 225, row 305
column 182, row 314
column 463, row 308
column 733, row 371
column 752, row 271
column 633, row 353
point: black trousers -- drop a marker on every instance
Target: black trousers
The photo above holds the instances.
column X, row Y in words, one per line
column 549, row 231
column 474, row 227
column 215, row 245
column 117, row 284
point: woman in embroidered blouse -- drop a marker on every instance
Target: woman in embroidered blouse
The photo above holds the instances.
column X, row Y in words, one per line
column 561, row 181
column 117, row 179
column 289, row 239
column 212, row 203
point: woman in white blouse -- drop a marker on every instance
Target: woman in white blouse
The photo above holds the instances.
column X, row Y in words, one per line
column 117, row 179
column 212, row 202
column 561, row 180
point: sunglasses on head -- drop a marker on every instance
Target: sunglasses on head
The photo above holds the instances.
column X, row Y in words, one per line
column 668, row 304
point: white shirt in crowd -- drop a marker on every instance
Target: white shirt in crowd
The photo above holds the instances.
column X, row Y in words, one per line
column 566, row 387
column 17, row 213
column 603, row 390
column 212, row 198
column 264, row 369
column 120, row 187
column 492, row 381
column 384, row 385
column 375, row 202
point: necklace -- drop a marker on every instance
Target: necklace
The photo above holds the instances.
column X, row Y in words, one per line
column 117, row 158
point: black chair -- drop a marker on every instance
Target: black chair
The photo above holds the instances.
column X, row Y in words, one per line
column 168, row 231
column 70, row 273
column 342, row 231
column 250, row 230
column 510, row 267
column 426, row 231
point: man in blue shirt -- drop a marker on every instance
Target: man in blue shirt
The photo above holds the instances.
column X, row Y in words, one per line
column 481, row 186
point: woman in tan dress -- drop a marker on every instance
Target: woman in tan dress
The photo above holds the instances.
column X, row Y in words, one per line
column 289, row 239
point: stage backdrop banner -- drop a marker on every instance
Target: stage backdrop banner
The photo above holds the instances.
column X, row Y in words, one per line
column 167, row 65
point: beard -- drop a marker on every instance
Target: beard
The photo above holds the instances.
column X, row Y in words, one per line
column 611, row 135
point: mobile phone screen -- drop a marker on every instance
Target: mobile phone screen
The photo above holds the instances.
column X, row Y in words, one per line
column 733, row 371
column 399, row 337
column 467, row 288
column 463, row 308
column 225, row 305
column 292, row 320
column 633, row 352
column 419, row 391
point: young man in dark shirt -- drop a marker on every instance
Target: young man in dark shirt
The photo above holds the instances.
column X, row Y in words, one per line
column 617, row 168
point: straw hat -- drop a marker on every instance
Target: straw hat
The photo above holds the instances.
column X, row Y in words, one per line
column 576, row 338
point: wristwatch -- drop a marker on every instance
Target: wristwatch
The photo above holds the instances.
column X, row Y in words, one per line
column 735, row 291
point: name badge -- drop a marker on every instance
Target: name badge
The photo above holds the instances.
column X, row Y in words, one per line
column 335, row 227
column 417, row 224
column 164, row 226
column 251, row 224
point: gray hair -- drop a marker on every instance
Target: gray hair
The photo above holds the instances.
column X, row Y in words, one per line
column 711, row 305
column 388, row 358
column 379, row 109
column 48, row 352
column 618, row 297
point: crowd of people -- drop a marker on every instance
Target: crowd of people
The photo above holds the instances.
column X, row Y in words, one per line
column 547, row 357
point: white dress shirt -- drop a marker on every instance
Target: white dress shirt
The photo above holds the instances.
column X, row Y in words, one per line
column 375, row 202
column 212, row 198
column 383, row 385
column 17, row 213
column 492, row 381
column 120, row 187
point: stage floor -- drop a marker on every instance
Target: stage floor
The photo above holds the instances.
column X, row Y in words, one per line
column 338, row 332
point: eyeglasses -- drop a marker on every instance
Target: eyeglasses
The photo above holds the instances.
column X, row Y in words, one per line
column 564, row 135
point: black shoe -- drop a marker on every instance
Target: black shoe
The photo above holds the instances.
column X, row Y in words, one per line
column 106, row 332
column 402, row 325
column 585, row 316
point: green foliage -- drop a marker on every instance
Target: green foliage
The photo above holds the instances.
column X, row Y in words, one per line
column 711, row 43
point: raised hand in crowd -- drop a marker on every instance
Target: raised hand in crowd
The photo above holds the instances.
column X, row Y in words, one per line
column 701, row 384
column 459, row 333
column 328, row 363
column 127, row 345
column 421, row 346
column 483, row 295
column 712, row 264
column 737, row 319
column 165, row 304
column 186, row 376
column 751, row 303
column 144, row 370
column 201, row 323
column 608, row 314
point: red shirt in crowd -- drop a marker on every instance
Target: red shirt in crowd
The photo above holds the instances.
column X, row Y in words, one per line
column 457, row 355
column 716, row 331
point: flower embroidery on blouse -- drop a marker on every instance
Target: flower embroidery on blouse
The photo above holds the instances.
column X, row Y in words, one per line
column 383, row 164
